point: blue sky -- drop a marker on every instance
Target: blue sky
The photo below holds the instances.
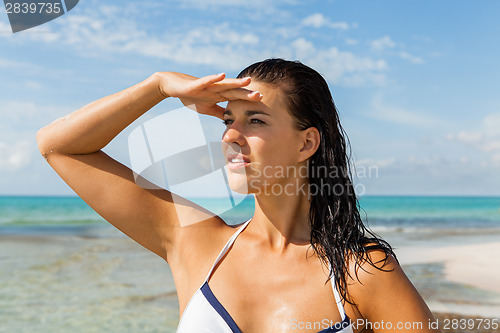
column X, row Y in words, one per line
column 416, row 83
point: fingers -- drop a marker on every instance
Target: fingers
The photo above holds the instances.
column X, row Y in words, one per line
column 230, row 83
column 219, row 83
column 210, row 79
column 255, row 96
column 213, row 110
column 241, row 93
column 216, row 111
column 218, row 88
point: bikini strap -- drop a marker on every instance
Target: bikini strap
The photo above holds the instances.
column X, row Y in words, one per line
column 227, row 247
column 338, row 300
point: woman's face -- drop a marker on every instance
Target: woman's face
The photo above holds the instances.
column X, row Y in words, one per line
column 261, row 142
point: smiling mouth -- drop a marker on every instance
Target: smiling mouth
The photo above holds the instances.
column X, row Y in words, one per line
column 235, row 161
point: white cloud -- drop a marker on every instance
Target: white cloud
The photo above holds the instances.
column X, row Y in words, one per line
column 40, row 33
column 303, row 48
column 224, row 46
column 339, row 25
column 386, row 43
column 5, row 29
column 383, row 43
column 205, row 4
column 491, row 124
column 350, row 41
column 469, row 137
column 32, row 71
column 341, row 67
column 435, row 173
column 411, row 58
column 28, row 116
column 435, row 54
column 33, row 85
column 379, row 163
column 16, row 155
column 383, row 111
column 220, row 45
column 361, row 79
column 317, row 20
column 421, row 38
column 485, row 138
column 495, row 159
column 7, row 63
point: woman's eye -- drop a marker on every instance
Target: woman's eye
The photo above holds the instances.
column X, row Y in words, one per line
column 228, row 122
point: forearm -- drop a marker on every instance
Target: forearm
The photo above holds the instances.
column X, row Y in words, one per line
column 92, row 127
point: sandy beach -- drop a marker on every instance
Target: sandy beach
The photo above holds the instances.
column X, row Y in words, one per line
column 104, row 282
column 473, row 264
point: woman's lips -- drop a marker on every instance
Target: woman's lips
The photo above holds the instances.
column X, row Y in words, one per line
column 237, row 161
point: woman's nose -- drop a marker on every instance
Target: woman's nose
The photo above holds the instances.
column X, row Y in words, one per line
column 233, row 135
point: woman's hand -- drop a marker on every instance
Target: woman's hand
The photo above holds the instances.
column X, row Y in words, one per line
column 204, row 93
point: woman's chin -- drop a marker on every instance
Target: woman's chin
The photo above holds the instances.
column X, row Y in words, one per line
column 238, row 185
column 237, row 180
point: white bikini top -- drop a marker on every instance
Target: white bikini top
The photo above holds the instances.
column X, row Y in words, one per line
column 205, row 314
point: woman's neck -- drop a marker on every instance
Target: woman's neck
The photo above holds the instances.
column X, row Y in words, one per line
column 282, row 220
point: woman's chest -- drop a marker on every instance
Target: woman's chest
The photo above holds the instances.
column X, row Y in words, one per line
column 270, row 293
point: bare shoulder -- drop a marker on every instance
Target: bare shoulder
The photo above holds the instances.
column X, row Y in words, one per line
column 371, row 274
column 197, row 247
column 367, row 268
column 383, row 293
column 198, row 240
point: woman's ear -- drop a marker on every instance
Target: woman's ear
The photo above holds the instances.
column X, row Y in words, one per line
column 310, row 143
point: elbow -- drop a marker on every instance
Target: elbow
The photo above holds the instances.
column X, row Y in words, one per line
column 45, row 141
column 41, row 141
column 46, row 138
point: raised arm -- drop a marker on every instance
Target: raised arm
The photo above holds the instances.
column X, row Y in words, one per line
column 72, row 146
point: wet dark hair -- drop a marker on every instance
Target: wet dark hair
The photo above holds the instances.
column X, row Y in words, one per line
column 338, row 234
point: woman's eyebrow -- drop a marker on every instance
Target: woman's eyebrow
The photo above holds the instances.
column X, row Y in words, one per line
column 248, row 113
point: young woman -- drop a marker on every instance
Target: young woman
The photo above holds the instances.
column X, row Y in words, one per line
column 304, row 262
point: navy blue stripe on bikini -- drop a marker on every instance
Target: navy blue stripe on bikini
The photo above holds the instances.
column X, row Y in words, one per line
column 209, row 295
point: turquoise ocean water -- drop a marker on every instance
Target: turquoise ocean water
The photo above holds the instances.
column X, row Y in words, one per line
column 94, row 279
column 25, row 214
